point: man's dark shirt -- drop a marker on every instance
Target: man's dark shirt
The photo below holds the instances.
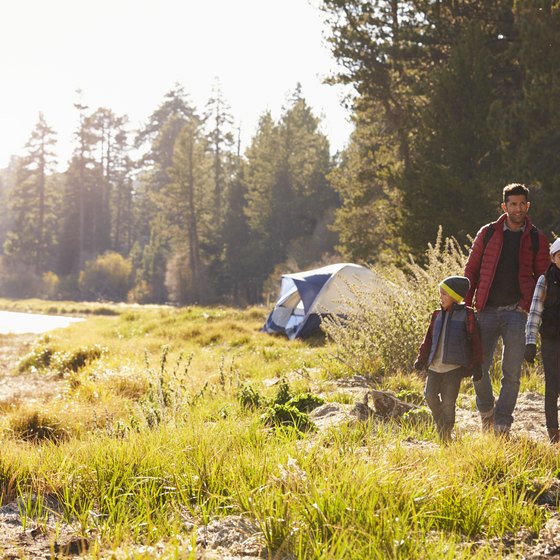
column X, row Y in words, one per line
column 505, row 287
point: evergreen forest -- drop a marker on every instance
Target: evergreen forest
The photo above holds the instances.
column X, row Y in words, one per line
column 452, row 100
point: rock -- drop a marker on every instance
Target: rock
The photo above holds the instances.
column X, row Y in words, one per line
column 387, row 406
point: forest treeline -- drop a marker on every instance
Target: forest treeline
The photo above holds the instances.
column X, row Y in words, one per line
column 452, row 100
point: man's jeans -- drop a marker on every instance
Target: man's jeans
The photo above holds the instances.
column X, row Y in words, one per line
column 508, row 323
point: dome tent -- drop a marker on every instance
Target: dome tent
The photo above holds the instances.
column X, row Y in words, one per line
column 307, row 296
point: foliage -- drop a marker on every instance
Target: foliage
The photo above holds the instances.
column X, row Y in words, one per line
column 17, row 279
column 249, row 398
column 453, row 101
column 50, row 285
column 186, row 205
column 306, row 402
column 106, row 277
column 364, row 181
column 31, row 239
column 167, row 397
column 39, row 358
column 450, row 102
column 35, row 426
column 456, row 160
column 285, row 410
column 384, row 330
column 64, row 362
column 44, row 356
column 284, row 393
column 286, row 415
column 287, row 190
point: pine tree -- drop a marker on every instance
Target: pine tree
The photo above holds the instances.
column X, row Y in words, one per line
column 529, row 120
column 220, row 136
column 287, row 190
column 409, row 62
column 454, row 176
column 80, row 201
column 369, row 218
column 32, row 236
column 187, row 204
column 109, row 199
column 158, row 138
column 239, row 278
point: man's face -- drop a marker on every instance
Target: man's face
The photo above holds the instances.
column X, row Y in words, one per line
column 516, row 208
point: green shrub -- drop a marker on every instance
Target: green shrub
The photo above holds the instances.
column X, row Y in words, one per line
column 284, row 415
column 306, row 402
column 414, row 397
column 50, row 283
column 74, row 361
column 39, row 358
column 106, row 277
column 43, row 357
column 249, row 399
column 417, row 416
column 35, row 426
column 284, row 393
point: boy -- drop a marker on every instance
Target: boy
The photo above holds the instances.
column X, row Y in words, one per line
column 451, row 350
column 544, row 317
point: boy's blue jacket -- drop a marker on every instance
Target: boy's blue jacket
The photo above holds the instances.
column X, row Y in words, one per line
column 462, row 344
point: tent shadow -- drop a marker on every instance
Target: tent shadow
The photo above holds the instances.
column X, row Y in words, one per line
column 317, row 339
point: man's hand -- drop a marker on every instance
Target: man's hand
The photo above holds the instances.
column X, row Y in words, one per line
column 530, row 353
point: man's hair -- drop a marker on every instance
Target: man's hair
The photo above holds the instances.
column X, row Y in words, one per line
column 515, row 189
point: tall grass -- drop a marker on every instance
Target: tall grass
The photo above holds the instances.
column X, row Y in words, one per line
column 167, row 433
column 337, row 496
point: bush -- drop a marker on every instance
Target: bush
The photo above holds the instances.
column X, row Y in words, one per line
column 39, row 358
column 65, row 362
column 249, row 398
column 17, row 279
column 106, row 277
column 286, row 416
column 385, row 327
column 284, row 393
column 306, row 402
column 35, row 426
column 44, row 357
column 50, row 284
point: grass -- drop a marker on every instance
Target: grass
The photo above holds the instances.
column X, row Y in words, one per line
column 164, row 420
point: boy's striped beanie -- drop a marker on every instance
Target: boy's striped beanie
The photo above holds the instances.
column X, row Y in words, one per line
column 456, row 286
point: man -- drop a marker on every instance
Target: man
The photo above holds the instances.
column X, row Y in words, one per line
column 506, row 258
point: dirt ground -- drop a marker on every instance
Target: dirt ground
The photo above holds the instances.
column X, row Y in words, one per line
column 232, row 538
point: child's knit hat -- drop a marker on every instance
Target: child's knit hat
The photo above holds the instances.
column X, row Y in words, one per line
column 456, row 286
column 555, row 247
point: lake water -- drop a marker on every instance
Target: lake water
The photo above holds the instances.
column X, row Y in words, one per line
column 34, row 323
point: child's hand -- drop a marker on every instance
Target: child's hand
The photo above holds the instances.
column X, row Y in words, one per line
column 530, row 353
column 476, row 373
column 419, row 366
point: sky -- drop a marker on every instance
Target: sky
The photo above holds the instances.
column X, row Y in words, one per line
column 125, row 55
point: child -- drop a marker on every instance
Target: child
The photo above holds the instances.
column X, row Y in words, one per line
column 545, row 313
column 451, row 350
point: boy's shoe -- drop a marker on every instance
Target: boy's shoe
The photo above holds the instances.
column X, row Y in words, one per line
column 502, row 431
column 487, row 421
column 553, row 435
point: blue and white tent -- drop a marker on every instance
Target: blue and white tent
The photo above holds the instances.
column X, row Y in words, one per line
column 306, row 296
